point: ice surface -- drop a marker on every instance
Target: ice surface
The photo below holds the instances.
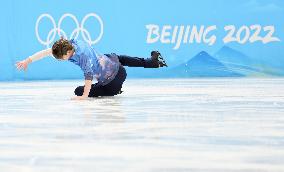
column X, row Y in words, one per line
column 155, row 125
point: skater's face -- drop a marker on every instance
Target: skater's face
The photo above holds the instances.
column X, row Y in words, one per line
column 68, row 55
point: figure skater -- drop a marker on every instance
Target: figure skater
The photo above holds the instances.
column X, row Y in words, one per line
column 107, row 69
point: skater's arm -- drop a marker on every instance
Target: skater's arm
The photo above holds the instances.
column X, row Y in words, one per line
column 37, row 56
column 86, row 67
column 87, row 88
column 41, row 54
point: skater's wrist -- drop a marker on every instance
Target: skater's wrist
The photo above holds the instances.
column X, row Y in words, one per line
column 84, row 96
column 28, row 60
column 87, row 88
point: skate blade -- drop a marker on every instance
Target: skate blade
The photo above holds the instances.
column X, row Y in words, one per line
column 162, row 60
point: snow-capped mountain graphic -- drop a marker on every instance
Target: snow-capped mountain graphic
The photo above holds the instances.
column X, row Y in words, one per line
column 203, row 65
column 245, row 65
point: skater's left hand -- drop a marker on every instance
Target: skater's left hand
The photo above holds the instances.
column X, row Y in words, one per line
column 79, row 98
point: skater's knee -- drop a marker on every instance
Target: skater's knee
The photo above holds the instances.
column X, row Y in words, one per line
column 79, row 91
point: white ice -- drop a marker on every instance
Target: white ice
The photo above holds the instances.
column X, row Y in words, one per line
column 155, row 125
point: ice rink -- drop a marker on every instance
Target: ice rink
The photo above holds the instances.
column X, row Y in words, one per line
column 219, row 125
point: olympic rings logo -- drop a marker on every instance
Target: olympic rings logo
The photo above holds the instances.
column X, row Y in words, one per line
column 74, row 34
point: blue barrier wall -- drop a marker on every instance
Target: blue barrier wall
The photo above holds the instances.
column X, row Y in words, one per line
column 198, row 39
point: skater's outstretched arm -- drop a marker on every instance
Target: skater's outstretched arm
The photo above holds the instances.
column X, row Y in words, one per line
column 23, row 65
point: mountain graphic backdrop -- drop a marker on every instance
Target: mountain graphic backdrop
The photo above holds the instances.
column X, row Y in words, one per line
column 203, row 65
column 227, row 62
column 245, row 65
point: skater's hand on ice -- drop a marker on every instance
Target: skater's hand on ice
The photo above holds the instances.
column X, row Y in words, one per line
column 87, row 88
column 23, row 65
column 79, row 98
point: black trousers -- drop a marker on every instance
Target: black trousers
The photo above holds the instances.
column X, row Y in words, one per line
column 114, row 87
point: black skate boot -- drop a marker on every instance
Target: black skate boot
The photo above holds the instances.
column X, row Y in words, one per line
column 157, row 57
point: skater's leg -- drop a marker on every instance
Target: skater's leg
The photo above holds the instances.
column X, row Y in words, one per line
column 79, row 91
column 137, row 62
column 155, row 61
column 131, row 61
column 95, row 91
column 114, row 87
column 111, row 89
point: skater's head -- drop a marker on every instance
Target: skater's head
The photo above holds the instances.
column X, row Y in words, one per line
column 62, row 49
